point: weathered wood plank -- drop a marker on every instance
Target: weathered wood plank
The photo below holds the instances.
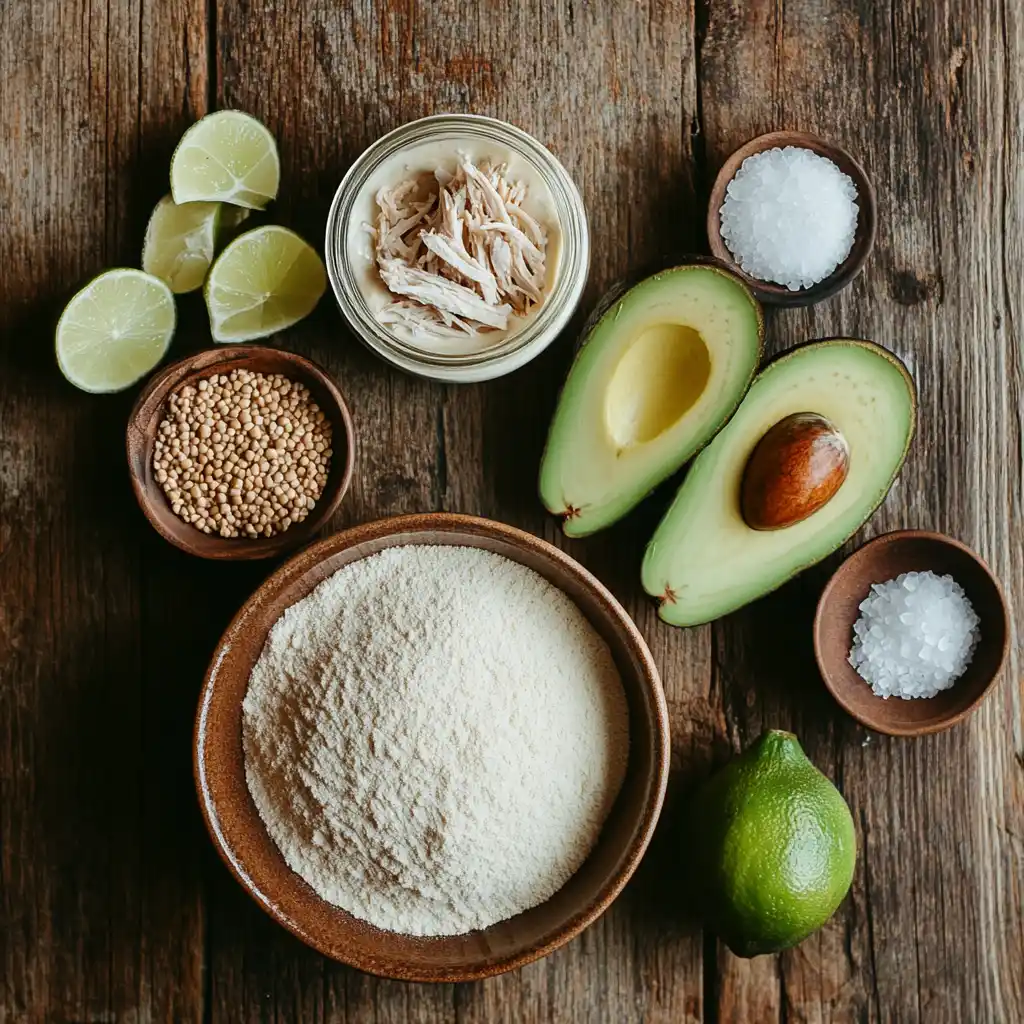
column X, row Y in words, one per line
column 611, row 88
column 104, row 630
column 928, row 95
column 99, row 906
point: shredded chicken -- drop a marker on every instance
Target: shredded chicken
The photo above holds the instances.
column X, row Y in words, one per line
column 459, row 252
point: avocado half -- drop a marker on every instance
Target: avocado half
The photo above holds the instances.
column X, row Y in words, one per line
column 703, row 560
column 655, row 378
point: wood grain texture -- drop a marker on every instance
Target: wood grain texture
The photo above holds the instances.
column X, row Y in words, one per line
column 112, row 905
column 922, row 92
column 99, row 896
column 624, row 76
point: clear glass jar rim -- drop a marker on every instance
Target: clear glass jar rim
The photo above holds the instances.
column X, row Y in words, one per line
column 575, row 256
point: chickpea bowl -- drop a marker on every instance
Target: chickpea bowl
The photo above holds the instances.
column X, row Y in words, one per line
column 220, row 482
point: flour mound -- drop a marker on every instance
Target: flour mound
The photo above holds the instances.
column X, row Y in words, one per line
column 434, row 738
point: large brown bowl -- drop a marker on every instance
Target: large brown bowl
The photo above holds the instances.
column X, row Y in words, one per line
column 247, row 849
column 863, row 242
column 149, row 411
column 882, row 559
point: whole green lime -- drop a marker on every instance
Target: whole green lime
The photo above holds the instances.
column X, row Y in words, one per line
column 774, row 847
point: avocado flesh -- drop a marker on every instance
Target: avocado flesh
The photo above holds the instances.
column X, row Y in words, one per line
column 661, row 371
column 703, row 560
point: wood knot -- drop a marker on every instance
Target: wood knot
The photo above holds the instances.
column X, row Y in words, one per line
column 910, row 290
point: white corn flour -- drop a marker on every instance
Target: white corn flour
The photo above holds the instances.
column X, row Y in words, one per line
column 434, row 738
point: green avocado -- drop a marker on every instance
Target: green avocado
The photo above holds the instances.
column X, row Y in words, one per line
column 704, row 561
column 773, row 847
column 661, row 370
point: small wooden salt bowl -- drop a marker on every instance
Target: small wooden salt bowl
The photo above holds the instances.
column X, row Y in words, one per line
column 882, row 559
column 150, row 409
column 248, row 851
column 864, row 240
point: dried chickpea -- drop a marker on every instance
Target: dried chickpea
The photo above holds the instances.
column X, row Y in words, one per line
column 243, row 454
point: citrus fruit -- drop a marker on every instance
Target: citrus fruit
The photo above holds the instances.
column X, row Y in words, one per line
column 774, row 847
column 232, row 217
column 264, row 281
column 115, row 330
column 226, row 157
column 180, row 242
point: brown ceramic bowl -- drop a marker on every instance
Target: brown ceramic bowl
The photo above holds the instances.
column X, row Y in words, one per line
column 864, row 240
column 250, row 854
column 883, row 559
column 149, row 411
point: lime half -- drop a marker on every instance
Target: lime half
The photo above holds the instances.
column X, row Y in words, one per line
column 180, row 243
column 115, row 330
column 226, row 157
column 264, row 281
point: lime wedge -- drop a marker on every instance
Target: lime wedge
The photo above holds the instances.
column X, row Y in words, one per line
column 264, row 281
column 115, row 330
column 226, row 157
column 231, row 220
column 232, row 217
column 180, row 243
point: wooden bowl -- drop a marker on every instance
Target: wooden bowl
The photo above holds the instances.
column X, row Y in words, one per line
column 883, row 559
column 149, row 411
column 864, row 240
column 242, row 840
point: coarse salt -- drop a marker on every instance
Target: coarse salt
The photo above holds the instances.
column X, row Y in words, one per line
column 789, row 216
column 915, row 636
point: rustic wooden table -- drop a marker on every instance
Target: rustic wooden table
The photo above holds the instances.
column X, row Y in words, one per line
column 113, row 906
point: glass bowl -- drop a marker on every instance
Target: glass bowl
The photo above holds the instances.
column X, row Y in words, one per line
column 552, row 316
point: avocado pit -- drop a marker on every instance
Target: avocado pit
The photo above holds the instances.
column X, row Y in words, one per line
column 795, row 469
column 705, row 550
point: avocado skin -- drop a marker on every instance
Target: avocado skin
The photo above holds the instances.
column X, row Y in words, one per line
column 605, row 306
column 840, row 540
column 774, row 847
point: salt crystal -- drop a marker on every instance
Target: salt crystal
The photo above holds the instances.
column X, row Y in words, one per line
column 920, row 653
column 789, row 216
